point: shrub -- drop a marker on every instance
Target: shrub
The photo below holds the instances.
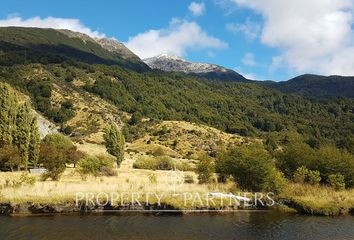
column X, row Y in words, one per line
column 145, row 162
column 188, row 179
column 164, row 163
column 96, row 166
column 160, row 163
column 313, row 177
column 336, row 181
column 300, row 174
column 25, row 178
column 158, row 152
column 205, row 169
column 152, row 178
column 251, row 167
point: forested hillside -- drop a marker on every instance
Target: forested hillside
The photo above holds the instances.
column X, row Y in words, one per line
column 31, row 61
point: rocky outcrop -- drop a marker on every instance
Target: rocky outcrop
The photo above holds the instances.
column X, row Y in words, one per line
column 169, row 63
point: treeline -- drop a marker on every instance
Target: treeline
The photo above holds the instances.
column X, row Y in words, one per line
column 240, row 108
column 19, row 135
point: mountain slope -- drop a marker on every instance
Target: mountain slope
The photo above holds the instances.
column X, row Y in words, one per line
column 315, row 86
column 168, row 63
column 21, row 45
column 85, row 97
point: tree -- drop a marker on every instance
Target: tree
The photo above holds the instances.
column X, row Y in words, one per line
column 56, row 151
column 8, row 111
column 10, row 157
column 205, row 169
column 252, row 168
column 53, row 159
column 34, row 144
column 114, row 140
column 22, row 136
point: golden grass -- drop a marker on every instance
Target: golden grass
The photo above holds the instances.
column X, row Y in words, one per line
column 319, row 199
column 128, row 181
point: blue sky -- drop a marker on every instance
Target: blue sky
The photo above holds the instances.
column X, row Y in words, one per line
column 262, row 39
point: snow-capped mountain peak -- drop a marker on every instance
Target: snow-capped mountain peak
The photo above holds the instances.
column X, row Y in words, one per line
column 170, row 63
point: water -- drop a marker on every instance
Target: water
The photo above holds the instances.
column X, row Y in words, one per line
column 243, row 225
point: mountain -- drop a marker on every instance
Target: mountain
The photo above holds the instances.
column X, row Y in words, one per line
column 81, row 86
column 169, row 63
column 23, row 45
column 316, row 86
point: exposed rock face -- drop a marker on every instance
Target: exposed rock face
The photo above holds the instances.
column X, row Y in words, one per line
column 45, row 127
column 114, row 46
column 109, row 44
column 168, row 63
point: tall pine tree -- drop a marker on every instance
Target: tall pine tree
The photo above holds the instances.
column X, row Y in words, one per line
column 34, row 144
column 8, row 111
column 22, row 136
column 115, row 142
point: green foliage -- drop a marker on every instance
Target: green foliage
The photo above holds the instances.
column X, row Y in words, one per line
column 10, row 157
column 96, row 166
column 313, row 177
column 8, row 111
column 336, row 181
column 327, row 160
column 34, row 144
column 205, row 169
column 115, row 142
column 300, row 175
column 136, row 118
column 22, row 134
column 52, row 158
column 160, row 163
column 55, row 152
column 252, row 168
column 26, row 179
column 58, row 140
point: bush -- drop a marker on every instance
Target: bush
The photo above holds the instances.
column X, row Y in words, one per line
column 313, row 177
column 252, row 168
column 152, row 178
column 160, row 163
column 300, row 175
column 205, row 169
column 145, row 162
column 25, row 178
column 158, row 152
column 336, row 181
column 188, row 179
column 165, row 163
column 96, row 166
column 55, row 152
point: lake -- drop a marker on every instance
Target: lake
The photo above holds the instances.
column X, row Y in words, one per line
column 239, row 225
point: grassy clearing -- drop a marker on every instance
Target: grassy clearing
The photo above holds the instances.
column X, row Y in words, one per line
column 319, row 200
column 128, row 181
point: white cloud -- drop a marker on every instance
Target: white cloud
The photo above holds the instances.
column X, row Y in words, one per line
column 179, row 37
column 313, row 36
column 248, row 59
column 197, row 9
column 50, row 22
column 250, row 29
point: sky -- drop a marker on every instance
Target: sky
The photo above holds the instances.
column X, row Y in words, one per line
column 261, row 39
